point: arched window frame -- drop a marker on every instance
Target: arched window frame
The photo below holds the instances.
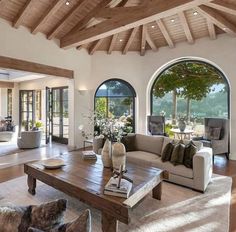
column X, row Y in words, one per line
column 132, row 90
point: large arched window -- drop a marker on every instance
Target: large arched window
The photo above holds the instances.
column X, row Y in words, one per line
column 192, row 89
column 116, row 98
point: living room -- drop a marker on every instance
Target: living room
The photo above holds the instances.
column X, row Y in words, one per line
column 90, row 71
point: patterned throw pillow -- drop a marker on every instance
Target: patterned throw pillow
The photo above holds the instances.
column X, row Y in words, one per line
column 81, row 224
column 189, row 152
column 129, row 142
column 19, row 219
column 167, row 151
column 212, row 133
column 177, row 156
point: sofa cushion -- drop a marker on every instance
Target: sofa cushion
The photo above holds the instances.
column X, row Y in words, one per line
column 141, row 157
column 177, row 156
column 186, row 141
column 129, row 142
column 179, row 170
column 149, row 143
column 166, row 153
column 189, row 152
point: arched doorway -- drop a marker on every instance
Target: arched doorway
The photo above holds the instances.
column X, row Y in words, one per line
column 116, row 98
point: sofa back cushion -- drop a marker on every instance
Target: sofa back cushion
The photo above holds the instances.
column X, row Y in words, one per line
column 129, row 142
column 149, row 143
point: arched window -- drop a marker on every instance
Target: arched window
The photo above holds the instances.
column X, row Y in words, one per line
column 191, row 89
column 116, row 98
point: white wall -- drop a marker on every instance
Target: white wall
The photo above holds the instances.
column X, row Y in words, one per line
column 3, row 100
column 21, row 44
column 139, row 71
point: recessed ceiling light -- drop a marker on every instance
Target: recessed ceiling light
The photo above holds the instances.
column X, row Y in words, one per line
column 172, row 20
column 67, row 3
column 224, row 28
column 153, row 26
column 121, row 40
column 195, row 13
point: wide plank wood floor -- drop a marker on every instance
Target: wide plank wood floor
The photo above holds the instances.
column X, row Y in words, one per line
column 221, row 166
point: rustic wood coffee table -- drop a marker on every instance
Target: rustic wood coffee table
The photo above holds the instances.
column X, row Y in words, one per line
column 85, row 180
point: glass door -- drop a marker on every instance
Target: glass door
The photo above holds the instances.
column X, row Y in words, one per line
column 60, row 119
column 26, row 109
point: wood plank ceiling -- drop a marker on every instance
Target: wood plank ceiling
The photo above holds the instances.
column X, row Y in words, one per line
column 122, row 25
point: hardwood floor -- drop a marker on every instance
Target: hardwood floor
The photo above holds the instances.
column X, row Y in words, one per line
column 221, row 166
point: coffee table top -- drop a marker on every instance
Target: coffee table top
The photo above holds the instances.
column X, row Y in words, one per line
column 85, row 179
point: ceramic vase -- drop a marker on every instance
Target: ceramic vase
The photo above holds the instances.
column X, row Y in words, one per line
column 118, row 156
column 182, row 125
column 106, row 154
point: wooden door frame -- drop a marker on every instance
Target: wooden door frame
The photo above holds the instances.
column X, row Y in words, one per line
column 27, row 66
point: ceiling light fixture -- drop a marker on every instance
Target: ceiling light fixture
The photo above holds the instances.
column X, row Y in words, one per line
column 224, row 28
column 121, row 40
column 172, row 20
column 67, row 3
column 195, row 13
column 153, row 26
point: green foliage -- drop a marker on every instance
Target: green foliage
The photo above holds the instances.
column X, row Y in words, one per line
column 168, row 127
column 192, row 80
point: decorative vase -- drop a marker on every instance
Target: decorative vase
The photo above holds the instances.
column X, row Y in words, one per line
column 118, row 156
column 106, row 154
column 182, row 125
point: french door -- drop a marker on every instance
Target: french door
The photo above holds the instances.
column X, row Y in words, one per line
column 57, row 117
column 30, row 108
column 27, row 109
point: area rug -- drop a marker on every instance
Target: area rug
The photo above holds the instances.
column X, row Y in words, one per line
column 7, row 148
column 181, row 209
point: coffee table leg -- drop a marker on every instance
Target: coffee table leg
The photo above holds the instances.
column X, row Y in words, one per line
column 31, row 184
column 109, row 223
column 156, row 192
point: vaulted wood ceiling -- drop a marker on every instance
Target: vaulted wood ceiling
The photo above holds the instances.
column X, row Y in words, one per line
column 122, row 25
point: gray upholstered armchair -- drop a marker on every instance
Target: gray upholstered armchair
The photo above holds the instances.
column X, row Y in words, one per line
column 29, row 139
column 156, row 125
column 216, row 136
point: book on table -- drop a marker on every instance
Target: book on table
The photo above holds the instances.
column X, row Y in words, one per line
column 89, row 155
column 112, row 189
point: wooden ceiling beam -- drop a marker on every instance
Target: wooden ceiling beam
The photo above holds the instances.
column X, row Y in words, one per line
column 143, row 40
column 3, row 3
column 95, row 46
column 113, row 43
column 130, row 40
column 223, row 6
column 23, row 12
column 165, row 33
column 152, row 11
column 217, row 19
column 211, row 29
column 66, row 18
column 51, row 10
column 83, row 22
column 122, row 3
column 6, row 84
column 186, row 27
column 151, row 42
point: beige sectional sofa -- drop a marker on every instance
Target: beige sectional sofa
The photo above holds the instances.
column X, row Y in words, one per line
column 148, row 149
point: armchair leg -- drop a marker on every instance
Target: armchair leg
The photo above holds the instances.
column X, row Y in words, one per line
column 227, row 155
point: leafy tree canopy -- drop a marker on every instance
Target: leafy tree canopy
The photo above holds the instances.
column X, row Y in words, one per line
column 192, row 80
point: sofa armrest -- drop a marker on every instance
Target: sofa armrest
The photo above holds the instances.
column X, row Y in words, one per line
column 202, row 168
column 97, row 144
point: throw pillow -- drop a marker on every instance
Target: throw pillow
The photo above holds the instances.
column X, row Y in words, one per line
column 45, row 216
column 167, row 151
column 81, row 224
column 189, row 152
column 212, row 133
column 156, row 128
column 177, row 155
column 129, row 142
